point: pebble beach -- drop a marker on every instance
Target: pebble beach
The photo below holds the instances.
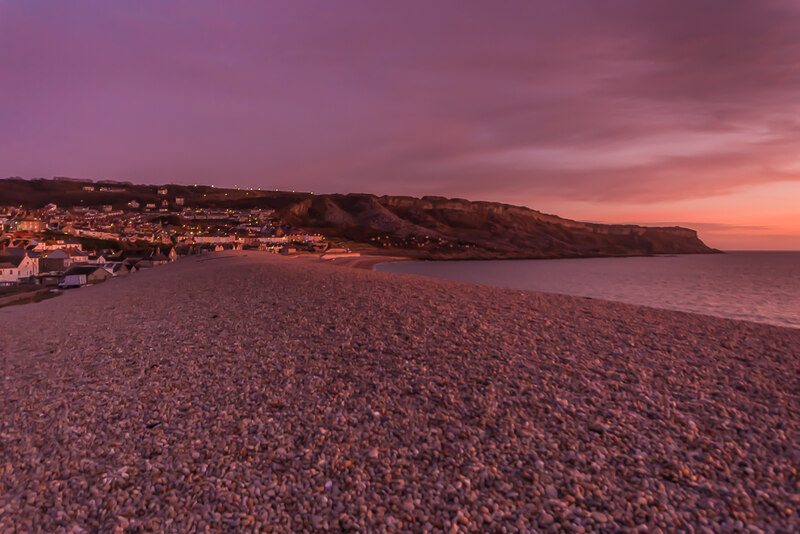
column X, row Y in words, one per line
column 246, row 392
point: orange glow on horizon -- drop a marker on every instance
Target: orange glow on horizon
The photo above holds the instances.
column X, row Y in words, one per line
column 762, row 217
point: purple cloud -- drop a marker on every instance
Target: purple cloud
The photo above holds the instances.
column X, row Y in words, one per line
column 620, row 100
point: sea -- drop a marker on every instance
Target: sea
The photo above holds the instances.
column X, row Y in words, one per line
column 755, row 286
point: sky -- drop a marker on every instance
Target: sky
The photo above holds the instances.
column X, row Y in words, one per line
column 655, row 112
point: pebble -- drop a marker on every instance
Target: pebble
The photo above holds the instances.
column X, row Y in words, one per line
column 320, row 397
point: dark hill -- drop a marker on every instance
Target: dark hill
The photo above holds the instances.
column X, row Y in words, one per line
column 433, row 227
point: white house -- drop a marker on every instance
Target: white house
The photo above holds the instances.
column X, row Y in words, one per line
column 77, row 255
column 15, row 268
column 8, row 274
column 28, row 267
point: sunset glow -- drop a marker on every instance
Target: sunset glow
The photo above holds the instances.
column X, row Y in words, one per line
column 640, row 112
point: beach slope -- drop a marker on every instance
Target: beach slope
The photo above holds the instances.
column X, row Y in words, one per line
column 252, row 392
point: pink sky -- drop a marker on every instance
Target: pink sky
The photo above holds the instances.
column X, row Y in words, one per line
column 616, row 111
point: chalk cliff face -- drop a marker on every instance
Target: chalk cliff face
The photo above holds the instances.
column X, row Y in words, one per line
column 432, row 227
column 456, row 228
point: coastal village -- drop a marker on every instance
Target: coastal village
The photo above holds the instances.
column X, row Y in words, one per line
column 73, row 246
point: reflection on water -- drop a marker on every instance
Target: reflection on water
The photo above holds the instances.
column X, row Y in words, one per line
column 756, row 286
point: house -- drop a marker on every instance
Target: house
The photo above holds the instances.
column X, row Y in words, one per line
column 118, row 268
column 54, row 261
column 158, row 259
column 130, row 255
column 207, row 247
column 77, row 255
column 25, row 263
column 213, row 239
column 17, row 269
column 97, row 259
column 133, row 263
column 179, row 201
column 81, row 275
column 8, row 274
column 28, row 266
column 31, row 225
column 162, row 191
column 162, row 255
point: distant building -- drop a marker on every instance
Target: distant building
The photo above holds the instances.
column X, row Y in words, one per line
column 162, row 254
column 77, row 255
column 202, row 239
column 117, row 268
column 273, row 240
column 179, row 201
column 31, row 225
column 162, row 191
column 88, row 188
column 54, row 261
column 80, row 275
column 158, row 259
column 134, row 204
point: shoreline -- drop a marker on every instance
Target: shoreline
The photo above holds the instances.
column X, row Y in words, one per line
column 369, row 261
column 610, row 292
column 256, row 390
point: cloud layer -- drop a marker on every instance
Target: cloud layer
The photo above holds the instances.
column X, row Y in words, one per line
column 614, row 101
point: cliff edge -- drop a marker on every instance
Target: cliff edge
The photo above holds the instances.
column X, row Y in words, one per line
column 427, row 227
column 441, row 228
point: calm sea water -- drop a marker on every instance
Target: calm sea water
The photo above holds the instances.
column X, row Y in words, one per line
column 756, row 286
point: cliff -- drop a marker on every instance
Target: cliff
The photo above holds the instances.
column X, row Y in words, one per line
column 456, row 228
column 428, row 227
